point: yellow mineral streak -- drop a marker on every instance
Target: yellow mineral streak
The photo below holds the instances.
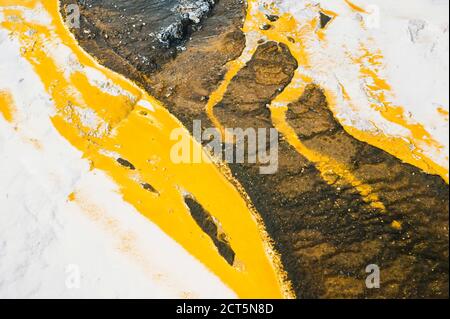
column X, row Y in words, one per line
column 6, row 106
column 125, row 129
column 354, row 7
column 443, row 112
column 217, row 96
column 297, row 35
column 332, row 171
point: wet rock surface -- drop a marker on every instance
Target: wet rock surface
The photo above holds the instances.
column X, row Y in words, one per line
column 146, row 33
column 210, row 226
column 327, row 234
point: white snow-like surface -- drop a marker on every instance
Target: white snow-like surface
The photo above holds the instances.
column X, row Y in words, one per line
column 98, row 247
column 413, row 38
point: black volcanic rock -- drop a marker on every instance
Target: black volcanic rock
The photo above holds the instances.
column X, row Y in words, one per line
column 152, row 31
